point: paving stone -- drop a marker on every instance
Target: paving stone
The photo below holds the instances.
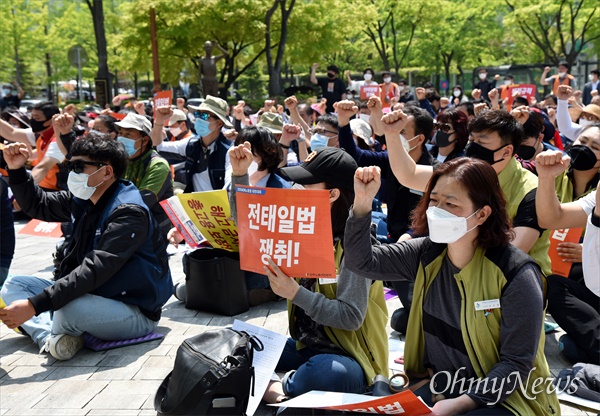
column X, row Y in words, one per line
column 117, row 401
column 7, row 360
column 116, row 373
column 28, row 374
column 67, row 399
column 46, row 412
column 114, row 412
column 62, row 386
column 84, row 358
column 25, row 387
column 20, row 401
column 124, row 360
column 73, row 373
column 152, row 373
column 43, row 360
column 157, row 347
column 137, row 386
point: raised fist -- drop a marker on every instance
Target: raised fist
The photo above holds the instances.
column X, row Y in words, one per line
column 291, row 102
column 564, row 92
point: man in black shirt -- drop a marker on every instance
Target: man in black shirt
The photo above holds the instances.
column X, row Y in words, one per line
column 8, row 99
column 484, row 84
column 333, row 88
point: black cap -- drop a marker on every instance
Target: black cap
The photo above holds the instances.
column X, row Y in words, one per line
column 330, row 165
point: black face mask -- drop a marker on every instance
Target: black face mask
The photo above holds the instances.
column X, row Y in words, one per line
column 477, row 151
column 331, row 75
column 37, row 126
column 526, row 152
column 443, row 139
column 582, row 157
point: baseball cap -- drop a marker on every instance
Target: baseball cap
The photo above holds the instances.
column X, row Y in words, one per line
column 330, row 165
column 177, row 116
column 137, row 122
column 216, row 106
column 272, row 122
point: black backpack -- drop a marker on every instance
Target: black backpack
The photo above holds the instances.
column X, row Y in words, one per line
column 213, row 375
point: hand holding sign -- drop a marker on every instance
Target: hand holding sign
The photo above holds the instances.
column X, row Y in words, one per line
column 281, row 284
column 570, row 252
column 241, row 158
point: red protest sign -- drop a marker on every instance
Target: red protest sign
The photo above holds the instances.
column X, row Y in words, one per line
column 524, row 90
column 568, row 235
column 367, row 91
column 162, row 99
column 42, row 229
column 291, row 226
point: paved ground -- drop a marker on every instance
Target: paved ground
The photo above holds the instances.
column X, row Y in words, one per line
column 122, row 381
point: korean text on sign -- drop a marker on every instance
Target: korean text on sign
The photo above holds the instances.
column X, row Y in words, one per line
column 292, row 227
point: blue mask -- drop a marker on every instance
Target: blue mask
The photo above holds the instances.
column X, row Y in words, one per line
column 318, row 141
column 202, row 127
column 129, row 145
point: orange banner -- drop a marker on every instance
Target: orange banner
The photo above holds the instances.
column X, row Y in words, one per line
column 42, row 229
column 400, row 403
column 568, row 235
column 367, row 91
column 162, row 99
column 291, row 226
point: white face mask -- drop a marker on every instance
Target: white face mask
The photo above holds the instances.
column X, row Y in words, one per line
column 368, row 77
column 445, row 227
column 406, row 143
column 387, row 80
column 78, row 184
column 562, row 74
column 175, row 131
column 591, row 77
column 401, row 88
column 482, row 76
column 584, row 123
column 253, row 168
column 349, row 96
column 507, row 82
column 456, row 93
column 365, row 117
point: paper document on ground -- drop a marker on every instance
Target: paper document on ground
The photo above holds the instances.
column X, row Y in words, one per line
column 264, row 361
column 578, row 401
column 396, row 348
column 404, row 403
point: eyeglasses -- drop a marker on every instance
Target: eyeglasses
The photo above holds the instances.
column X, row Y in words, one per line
column 202, row 116
column 78, row 166
column 322, row 131
column 445, row 127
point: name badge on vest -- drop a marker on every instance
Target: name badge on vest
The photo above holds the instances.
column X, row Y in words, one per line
column 323, row 281
column 483, row 305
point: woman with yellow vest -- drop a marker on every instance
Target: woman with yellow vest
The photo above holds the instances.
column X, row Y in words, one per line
column 337, row 326
column 476, row 322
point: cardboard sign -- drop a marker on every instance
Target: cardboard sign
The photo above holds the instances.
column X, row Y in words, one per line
column 403, row 403
column 210, row 213
column 162, row 99
column 42, row 229
column 525, row 90
column 567, row 235
column 202, row 217
column 117, row 116
column 291, row 226
column 367, row 91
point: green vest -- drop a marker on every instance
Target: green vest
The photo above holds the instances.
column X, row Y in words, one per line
column 517, row 182
column 368, row 345
column 564, row 188
column 482, row 279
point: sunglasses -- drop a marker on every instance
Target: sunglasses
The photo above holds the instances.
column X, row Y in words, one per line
column 444, row 127
column 322, row 131
column 202, row 116
column 78, row 166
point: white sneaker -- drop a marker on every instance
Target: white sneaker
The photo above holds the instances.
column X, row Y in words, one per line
column 62, row 347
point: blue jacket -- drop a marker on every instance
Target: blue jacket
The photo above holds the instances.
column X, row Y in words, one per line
column 197, row 161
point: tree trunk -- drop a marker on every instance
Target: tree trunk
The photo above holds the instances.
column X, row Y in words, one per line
column 48, row 69
column 97, row 11
column 274, row 66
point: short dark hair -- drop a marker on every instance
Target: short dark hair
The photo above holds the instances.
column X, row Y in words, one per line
column 307, row 108
column 263, row 145
column 519, row 101
column 534, row 125
column 565, row 64
column 423, row 121
column 509, row 76
column 48, row 108
column 369, row 70
column 469, row 106
column 428, row 84
column 403, row 81
column 109, row 122
column 482, row 69
column 385, row 72
column 595, row 71
column 460, row 122
column 500, row 122
column 100, row 147
column 551, row 97
column 328, row 119
column 481, row 182
column 333, row 68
